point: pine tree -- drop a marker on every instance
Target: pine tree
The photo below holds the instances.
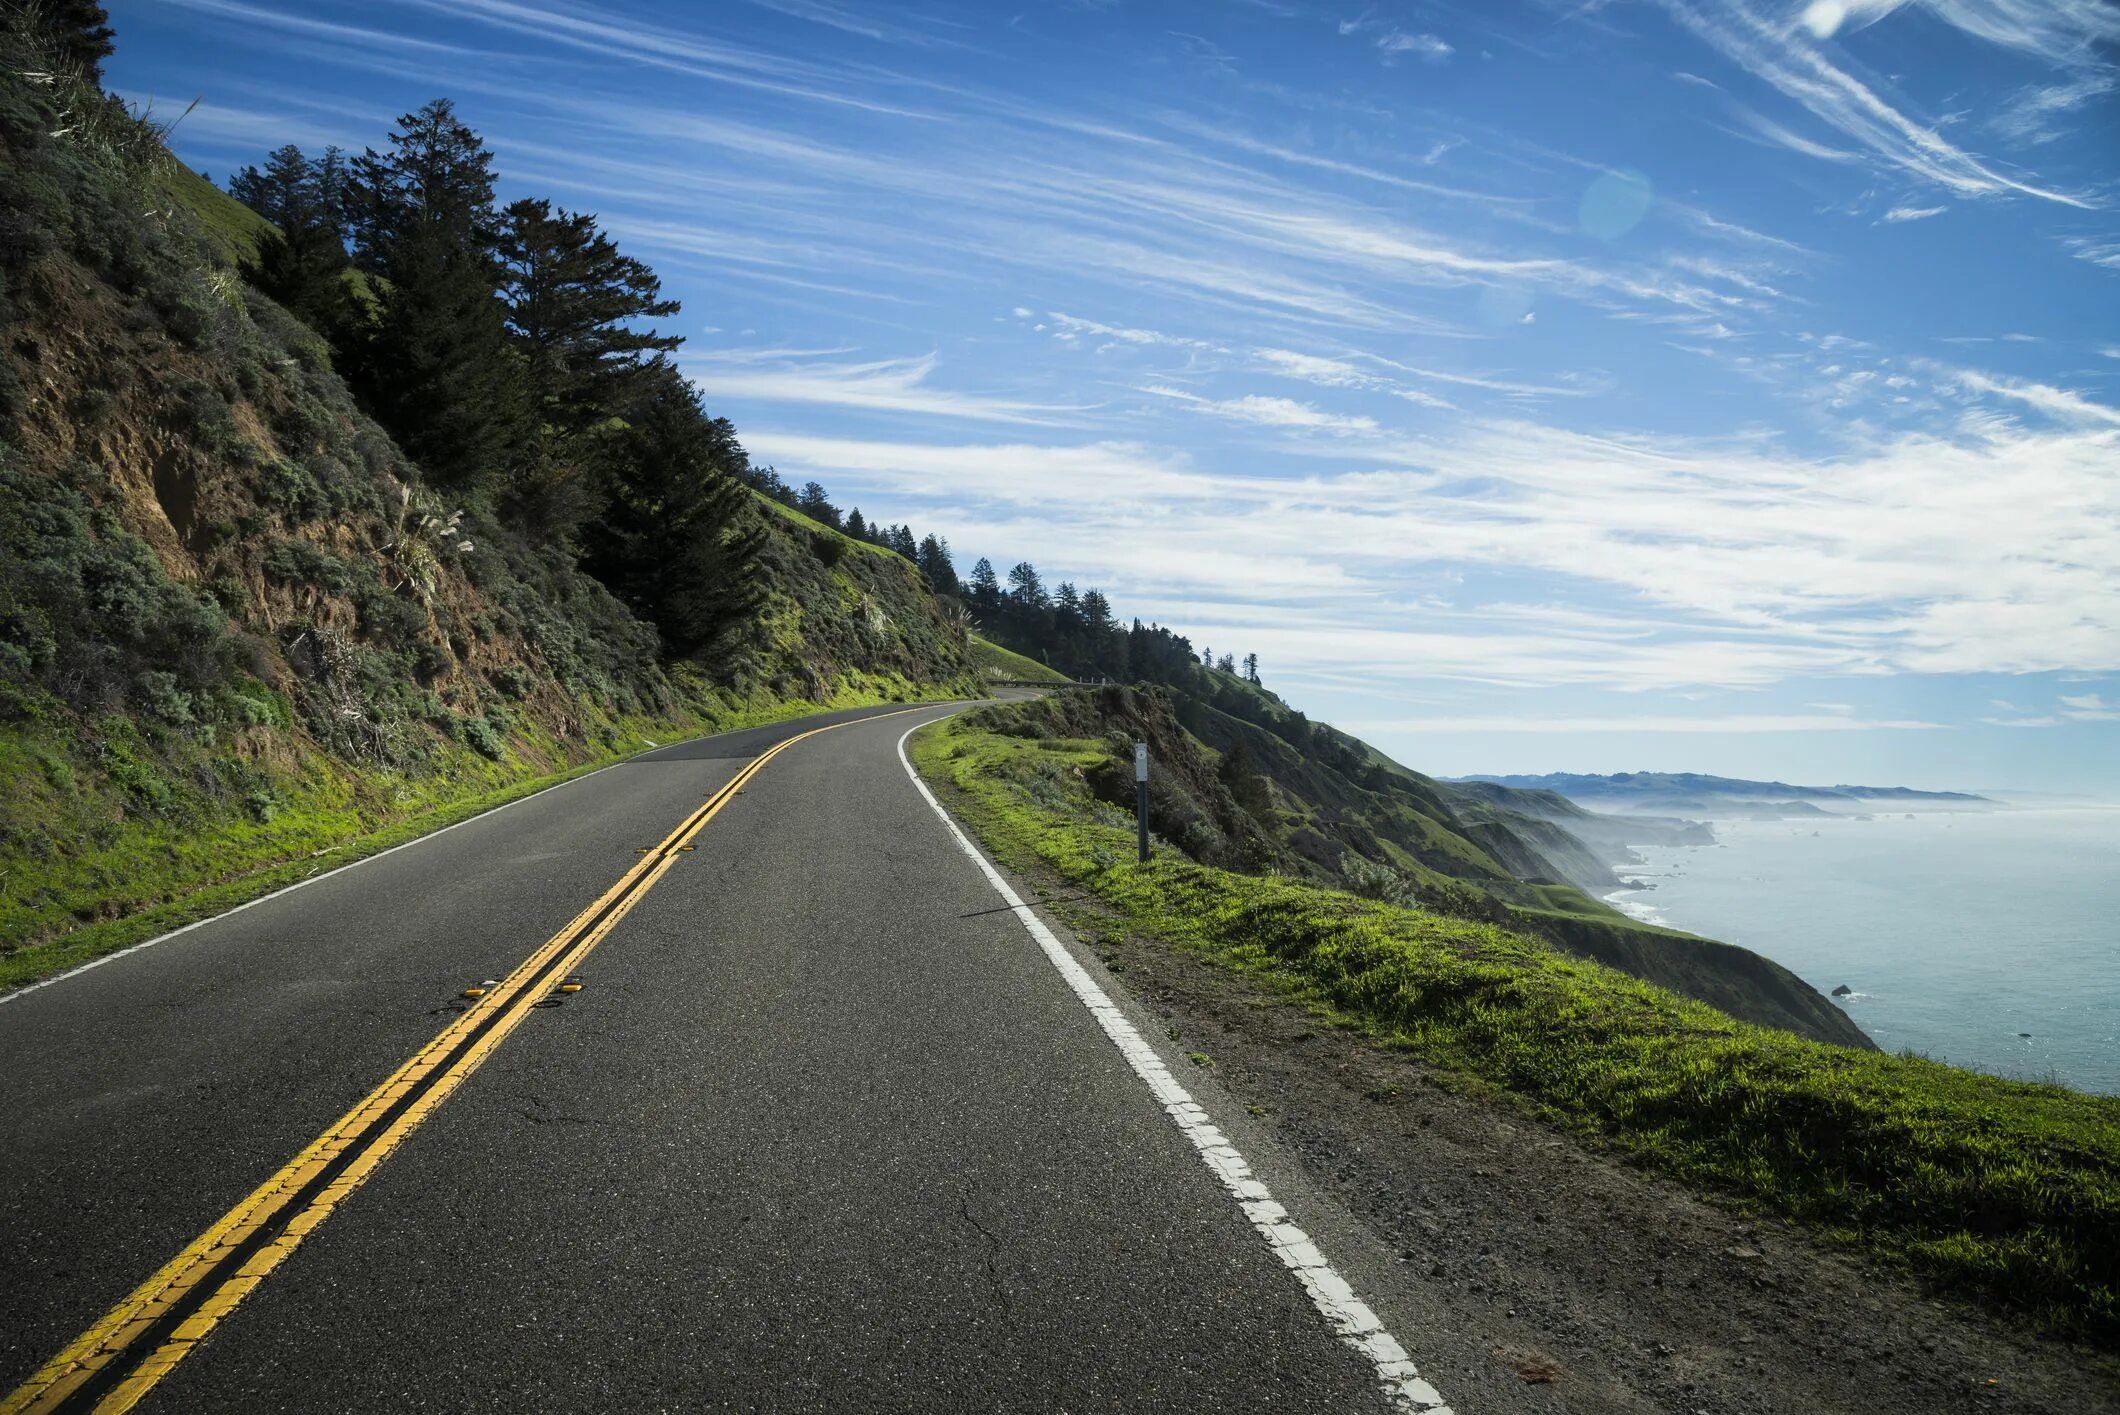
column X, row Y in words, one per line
column 79, row 33
column 573, row 302
column 679, row 542
column 1227, row 663
column 986, row 590
column 435, row 365
column 302, row 263
column 814, row 503
column 856, row 526
column 901, row 540
column 1251, row 668
column 1024, row 587
column 287, row 183
column 1097, row 613
column 934, row 562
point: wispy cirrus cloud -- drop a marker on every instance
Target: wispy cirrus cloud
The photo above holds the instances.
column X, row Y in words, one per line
column 1791, row 62
column 879, row 385
column 2105, row 252
column 1261, row 410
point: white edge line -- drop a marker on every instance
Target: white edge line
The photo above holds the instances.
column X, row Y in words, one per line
column 1348, row 1315
column 78, row 969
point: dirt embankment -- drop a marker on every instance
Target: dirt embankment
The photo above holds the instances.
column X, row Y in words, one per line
column 1581, row 1283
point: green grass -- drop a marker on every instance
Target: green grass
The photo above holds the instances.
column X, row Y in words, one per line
column 232, row 228
column 95, row 857
column 2009, row 1191
column 993, row 661
column 810, row 523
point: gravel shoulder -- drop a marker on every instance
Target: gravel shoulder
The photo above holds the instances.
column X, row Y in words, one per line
column 1612, row 1286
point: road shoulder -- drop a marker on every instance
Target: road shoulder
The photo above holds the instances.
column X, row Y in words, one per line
column 1544, row 1262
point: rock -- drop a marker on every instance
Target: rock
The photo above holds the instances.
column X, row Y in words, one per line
column 1843, row 991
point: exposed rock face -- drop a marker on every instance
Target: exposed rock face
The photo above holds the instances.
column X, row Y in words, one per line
column 1843, row 991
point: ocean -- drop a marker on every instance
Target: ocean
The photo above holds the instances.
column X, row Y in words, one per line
column 1990, row 940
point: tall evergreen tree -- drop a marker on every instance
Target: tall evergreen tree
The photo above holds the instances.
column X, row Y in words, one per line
column 813, row 502
column 934, row 561
column 857, row 527
column 435, row 365
column 302, row 262
column 901, row 539
column 1025, row 589
column 1097, row 612
column 574, row 302
column 986, row 590
column 679, row 541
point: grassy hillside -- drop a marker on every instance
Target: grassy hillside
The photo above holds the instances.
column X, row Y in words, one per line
column 2004, row 1189
column 240, row 635
column 992, row 661
column 1235, row 794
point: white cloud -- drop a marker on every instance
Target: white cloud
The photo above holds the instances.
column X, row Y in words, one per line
column 1787, row 60
column 1912, row 213
column 1429, row 48
column 1265, row 411
column 1070, row 327
column 1725, row 561
column 2033, row 114
column 2097, row 252
column 2089, row 707
column 881, row 385
column 2055, row 402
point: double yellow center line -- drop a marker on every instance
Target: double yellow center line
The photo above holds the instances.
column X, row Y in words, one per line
column 118, row 1360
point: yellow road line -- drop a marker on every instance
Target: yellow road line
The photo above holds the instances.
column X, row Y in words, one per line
column 355, row 1146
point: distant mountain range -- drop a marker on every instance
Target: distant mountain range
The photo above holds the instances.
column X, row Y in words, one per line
column 1686, row 792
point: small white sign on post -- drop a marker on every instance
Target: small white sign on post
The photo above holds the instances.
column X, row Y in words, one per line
column 1140, row 761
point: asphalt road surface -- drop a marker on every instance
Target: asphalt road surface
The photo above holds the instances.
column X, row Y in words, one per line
column 824, row 1128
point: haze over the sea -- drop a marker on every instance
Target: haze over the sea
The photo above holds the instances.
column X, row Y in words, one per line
column 1957, row 931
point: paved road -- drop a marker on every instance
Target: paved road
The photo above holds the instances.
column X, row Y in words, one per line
column 824, row 1129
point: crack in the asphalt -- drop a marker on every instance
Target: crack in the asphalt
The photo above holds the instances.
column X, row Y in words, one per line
column 993, row 1251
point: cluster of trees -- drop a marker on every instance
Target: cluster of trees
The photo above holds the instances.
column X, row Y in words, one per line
column 511, row 353
column 1076, row 631
column 930, row 552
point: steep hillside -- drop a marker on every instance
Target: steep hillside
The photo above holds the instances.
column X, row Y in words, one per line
column 238, row 628
column 1232, row 794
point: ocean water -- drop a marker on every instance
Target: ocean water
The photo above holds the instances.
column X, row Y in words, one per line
column 1958, row 932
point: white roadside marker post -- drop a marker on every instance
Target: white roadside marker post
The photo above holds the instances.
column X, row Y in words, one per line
column 1141, row 795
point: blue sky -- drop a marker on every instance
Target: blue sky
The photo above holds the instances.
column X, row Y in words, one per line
column 1726, row 385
